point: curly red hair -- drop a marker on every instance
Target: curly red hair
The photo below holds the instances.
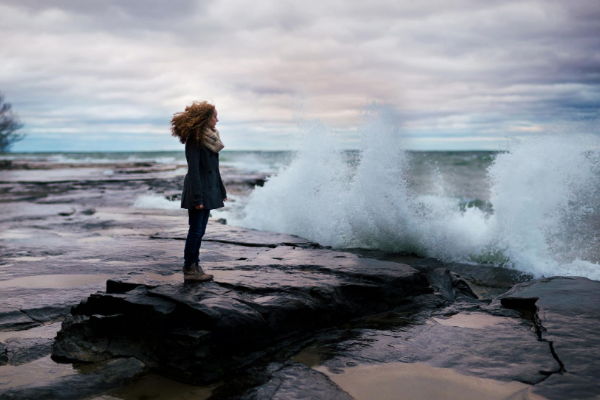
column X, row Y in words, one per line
column 189, row 125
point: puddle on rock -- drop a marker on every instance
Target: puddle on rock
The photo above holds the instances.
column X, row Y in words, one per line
column 156, row 387
column 47, row 331
column 402, row 381
column 120, row 232
column 15, row 234
column 119, row 262
column 55, row 281
column 66, row 234
column 95, row 239
column 149, row 277
column 40, row 370
column 475, row 320
column 26, row 258
column 310, row 356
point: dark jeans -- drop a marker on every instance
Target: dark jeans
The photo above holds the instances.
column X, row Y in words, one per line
column 198, row 221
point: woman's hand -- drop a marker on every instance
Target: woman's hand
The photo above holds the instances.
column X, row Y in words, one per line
column 225, row 199
column 199, row 207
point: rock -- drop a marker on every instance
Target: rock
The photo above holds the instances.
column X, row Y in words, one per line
column 103, row 377
column 6, row 164
column 297, row 382
column 67, row 214
column 222, row 233
column 24, row 350
column 506, row 349
column 15, row 320
column 202, row 332
column 449, row 285
column 485, row 281
column 248, row 179
column 566, row 314
column 48, row 313
column 23, row 307
column 3, row 354
column 553, row 346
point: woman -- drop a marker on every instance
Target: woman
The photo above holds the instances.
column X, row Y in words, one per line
column 203, row 189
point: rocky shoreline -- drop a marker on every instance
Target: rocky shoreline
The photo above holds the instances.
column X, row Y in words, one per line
column 95, row 307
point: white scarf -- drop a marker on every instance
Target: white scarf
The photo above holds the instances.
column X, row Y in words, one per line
column 212, row 140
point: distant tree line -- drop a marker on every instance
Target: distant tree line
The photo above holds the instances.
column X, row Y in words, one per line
column 9, row 125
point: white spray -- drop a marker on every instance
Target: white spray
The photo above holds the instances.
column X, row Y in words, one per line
column 545, row 196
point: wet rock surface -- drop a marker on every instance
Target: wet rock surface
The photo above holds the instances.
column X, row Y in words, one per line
column 77, row 255
column 3, row 354
column 202, row 332
column 16, row 320
column 566, row 317
column 24, row 350
column 506, row 350
column 296, row 381
column 101, row 378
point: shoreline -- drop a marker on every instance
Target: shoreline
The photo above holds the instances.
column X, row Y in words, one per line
column 60, row 244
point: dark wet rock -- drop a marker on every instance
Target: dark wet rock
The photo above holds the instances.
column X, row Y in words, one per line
column 449, row 285
column 507, row 349
column 249, row 179
column 543, row 333
column 67, row 214
column 566, row 314
column 24, row 350
column 15, row 320
column 23, row 308
column 486, row 281
column 48, row 313
column 507, row 352
column 297, row 382
column 3, row 354
column 201, row 332
column 222, row 233
column 88, row 211
column 101, row 378
column 458, row 334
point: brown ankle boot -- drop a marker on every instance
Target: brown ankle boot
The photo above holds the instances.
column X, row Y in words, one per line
column 195, row 274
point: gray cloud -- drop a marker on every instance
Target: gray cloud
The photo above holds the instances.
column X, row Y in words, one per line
column 466, row 67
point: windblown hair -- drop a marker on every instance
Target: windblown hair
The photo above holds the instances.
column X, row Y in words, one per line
column 190, row 124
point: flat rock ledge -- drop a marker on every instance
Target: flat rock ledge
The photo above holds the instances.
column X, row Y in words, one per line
column 104, row 376
column 566, row 315
column 201, row 332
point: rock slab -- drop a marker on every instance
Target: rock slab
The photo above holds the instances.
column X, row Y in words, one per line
column 295, row 381
column 107, row 376
column 567, row 316
column 201, row 332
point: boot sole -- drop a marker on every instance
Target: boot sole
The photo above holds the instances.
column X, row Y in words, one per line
column 203, row 278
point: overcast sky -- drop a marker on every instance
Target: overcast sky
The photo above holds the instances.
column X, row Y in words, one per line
column 463, row 74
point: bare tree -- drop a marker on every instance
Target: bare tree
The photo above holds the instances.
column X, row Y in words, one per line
column 9, row 125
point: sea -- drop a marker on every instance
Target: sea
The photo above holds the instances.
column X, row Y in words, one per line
column 534, row 206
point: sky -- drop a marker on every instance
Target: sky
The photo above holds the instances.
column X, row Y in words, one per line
column 108, row 75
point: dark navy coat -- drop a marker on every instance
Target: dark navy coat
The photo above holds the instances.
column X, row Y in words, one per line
column 202, row 183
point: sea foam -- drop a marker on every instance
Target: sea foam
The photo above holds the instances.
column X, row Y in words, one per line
column 545, row 202
column 150, row 201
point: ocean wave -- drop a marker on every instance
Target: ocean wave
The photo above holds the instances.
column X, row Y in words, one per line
column 542, row 216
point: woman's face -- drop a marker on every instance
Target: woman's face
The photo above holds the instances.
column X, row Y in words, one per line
column 212, row 122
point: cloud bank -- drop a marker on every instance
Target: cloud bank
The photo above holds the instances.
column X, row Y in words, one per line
column 108, row 75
